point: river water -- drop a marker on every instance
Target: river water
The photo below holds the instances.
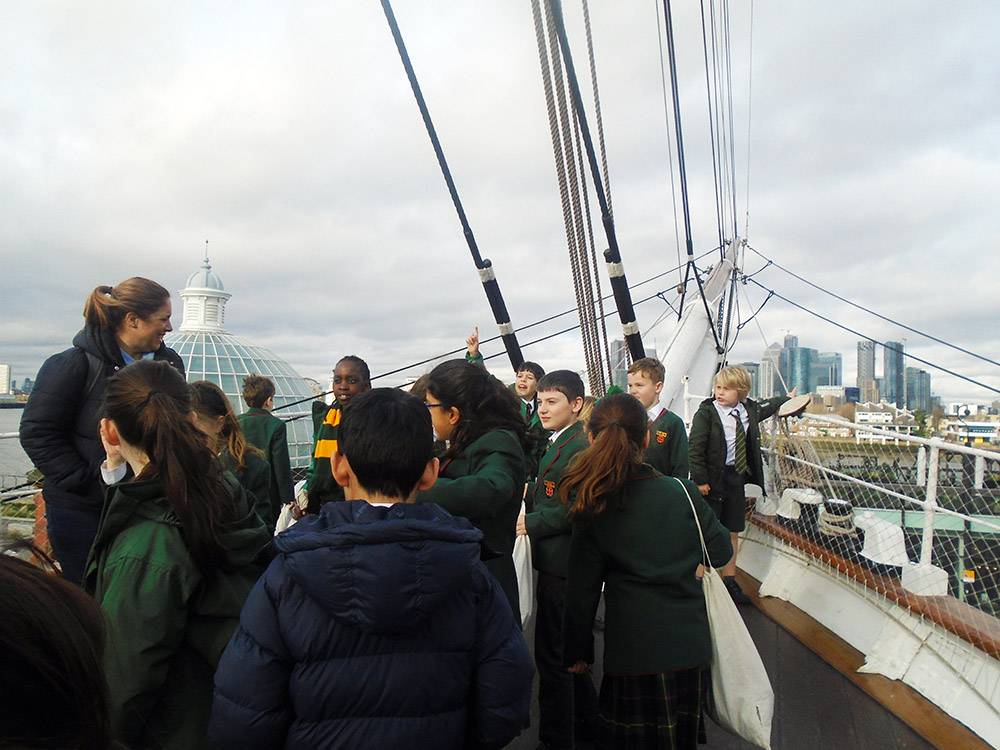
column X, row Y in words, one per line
column 13, row 461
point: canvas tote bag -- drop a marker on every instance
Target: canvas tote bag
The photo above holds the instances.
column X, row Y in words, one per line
column 742, row 701
column 525, row 574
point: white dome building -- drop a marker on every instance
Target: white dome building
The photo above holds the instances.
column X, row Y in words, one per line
column 212, row 353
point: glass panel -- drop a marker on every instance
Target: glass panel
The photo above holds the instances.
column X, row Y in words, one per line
column 198, row 348
column 225, row 365
column 195, row 364
column 228, row 383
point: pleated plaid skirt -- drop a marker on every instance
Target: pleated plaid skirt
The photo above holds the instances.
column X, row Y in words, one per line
column 643, row 712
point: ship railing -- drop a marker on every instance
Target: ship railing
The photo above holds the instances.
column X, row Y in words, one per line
column 915, row 520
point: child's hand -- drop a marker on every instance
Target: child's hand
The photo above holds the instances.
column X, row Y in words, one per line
column 581, row 667
column 521, row 528
column 472, row 343
column 704, row 489
column 114, row 456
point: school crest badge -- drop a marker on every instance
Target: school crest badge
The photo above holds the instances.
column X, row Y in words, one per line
column 550, row 488
column 661, row 436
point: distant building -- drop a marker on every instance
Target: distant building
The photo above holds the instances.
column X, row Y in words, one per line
column 619, row 363
column 211, row 353
column 827, row 369
column 798, row 368
column 972, row 430
column 866, row 361
column 852, row 395
column 753, row 368
column 893, row 374
column 5, row 379
column 27, row 385
column 918, row 390
column 886, row 417
column 869, row 392
column 768, row 384
column 832, row 395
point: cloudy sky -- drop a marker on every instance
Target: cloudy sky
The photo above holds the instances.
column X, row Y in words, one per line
column 286, row 135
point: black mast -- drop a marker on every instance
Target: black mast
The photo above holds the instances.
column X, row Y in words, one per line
column 484, row 266
column 612, row 256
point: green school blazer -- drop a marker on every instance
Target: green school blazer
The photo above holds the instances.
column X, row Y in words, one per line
column 668, row 445
column 548, row 528
column 265, row 431
column 485, row 484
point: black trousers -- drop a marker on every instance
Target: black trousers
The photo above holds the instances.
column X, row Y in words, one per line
column 563, row 698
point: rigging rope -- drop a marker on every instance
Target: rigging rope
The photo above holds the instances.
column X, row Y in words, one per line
column 565, row 132
column 670, row 150
column 870, row 312
column 567, row 175
column 870, row 338
column 607, row 188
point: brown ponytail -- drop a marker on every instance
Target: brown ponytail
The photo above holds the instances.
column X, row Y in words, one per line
column 209, row 401
column 150, row 404
column 107, row 306
column 618, row 427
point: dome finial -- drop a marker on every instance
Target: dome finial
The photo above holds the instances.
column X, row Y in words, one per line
column 206, row 265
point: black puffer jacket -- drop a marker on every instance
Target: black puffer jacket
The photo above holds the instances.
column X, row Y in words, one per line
column 374, row 627
column 59, row 426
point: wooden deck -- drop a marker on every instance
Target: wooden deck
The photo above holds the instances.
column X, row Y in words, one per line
column 815, row 704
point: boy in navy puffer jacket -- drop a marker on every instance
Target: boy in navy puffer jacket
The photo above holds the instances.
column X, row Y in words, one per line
column 376, row 625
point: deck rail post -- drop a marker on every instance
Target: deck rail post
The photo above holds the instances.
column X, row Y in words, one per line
column 930, row 504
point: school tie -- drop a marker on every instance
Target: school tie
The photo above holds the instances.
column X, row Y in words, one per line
column 741, row 445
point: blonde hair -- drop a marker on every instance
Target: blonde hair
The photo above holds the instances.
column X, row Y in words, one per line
column 734, row 377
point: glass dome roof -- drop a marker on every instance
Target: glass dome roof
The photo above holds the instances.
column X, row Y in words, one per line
column 212, row 353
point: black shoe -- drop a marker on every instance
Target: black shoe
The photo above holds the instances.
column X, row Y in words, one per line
column 736, row 592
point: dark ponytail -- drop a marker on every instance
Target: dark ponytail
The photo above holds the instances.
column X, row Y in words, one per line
column 208, row 400
column 618, row 425
column 150, row 404
column 483, row 402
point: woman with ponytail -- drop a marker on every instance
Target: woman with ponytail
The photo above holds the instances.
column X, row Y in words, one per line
column 173, row 560
column 59, row 431
column 634, row 534
column 215, row 417
column 482, row 469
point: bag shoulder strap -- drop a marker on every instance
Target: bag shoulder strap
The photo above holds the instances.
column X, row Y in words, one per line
column 704, row 549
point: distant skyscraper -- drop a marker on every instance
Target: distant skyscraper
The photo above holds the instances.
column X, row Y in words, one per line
column 827, row 369
column 800, row 369
column 4, row 379
column 918, row 390
column 893, row 374
column 791, row 342
column 768, row 384
column 619, row 363
column 866, row 361
column 753, row 368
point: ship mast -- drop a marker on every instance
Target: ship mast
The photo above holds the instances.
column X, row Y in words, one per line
column 487, row 275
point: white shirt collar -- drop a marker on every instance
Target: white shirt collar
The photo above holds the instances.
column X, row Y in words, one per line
column 555, row 435
column 654, row 411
